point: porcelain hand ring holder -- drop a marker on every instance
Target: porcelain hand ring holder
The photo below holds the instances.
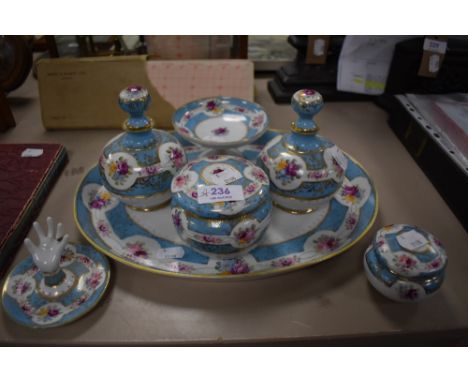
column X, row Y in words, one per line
column 57, row 284
column 46, row 255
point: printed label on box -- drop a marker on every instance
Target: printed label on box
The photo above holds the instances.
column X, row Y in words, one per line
column 218, row 193
column 411, row 240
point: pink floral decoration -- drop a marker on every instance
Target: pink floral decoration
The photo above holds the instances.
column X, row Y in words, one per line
column 326, row 243
column 250, row 188
column 221, row 131
column 247, row 235
column 137, row 249
column 406, row 261
column 177, row 156
column 240, row 267
column 94, row 280
column 180, row 180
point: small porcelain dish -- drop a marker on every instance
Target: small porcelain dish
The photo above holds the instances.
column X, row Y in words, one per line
column 137, row 166
column 221, row 227
column 57, row 284
column 305, row 169
column 405, row 263
column 221, row 122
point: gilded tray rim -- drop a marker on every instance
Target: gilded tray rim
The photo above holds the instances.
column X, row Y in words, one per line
column 250, row 275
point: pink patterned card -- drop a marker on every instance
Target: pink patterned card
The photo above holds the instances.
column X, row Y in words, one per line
column 179, row 82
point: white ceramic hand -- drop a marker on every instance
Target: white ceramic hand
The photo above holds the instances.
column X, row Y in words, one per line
column 47, row 254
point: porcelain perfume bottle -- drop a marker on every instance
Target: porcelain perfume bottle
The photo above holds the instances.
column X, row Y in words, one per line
column 305, row 169
column 138, row 165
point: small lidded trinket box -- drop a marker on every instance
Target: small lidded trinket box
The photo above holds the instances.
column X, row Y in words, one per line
column 221, row 204
column 305, row 169
column 405, row 263
column 138, row 165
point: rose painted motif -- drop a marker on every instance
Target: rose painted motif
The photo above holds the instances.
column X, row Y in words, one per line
column 240, row 267
column 185, row 268
column 26, row 308
column 250, row 189
column 119, row 170
column 176, row 155
column 351, row 221
column 284, row 262
column 247, row 235
column 260, row 175
column 213, row 106
column 84, row 259
column 317, row 174
column 351, row 194
column 406, row 262
column 180, row 180
column 232, row 267
column 103, row 228
column 48, row 312
column 326, row 243
column 221, row 131
column 176, row 219
column 257, row 120
column 93, row 281
column 208, row 239
column 137, row 249
column 287, row 170
column 80, row 300
column 100, row 200
column 20, row 287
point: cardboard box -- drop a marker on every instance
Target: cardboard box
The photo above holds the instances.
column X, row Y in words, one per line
column 77, row 93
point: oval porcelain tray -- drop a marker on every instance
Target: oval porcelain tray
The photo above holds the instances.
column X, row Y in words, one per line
column 148, row 240
column 221, row 122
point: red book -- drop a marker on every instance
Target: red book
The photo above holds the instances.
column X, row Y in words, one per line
column 26, row 177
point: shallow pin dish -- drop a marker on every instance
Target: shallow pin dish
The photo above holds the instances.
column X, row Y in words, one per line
column 23, row 295
column 220, row 122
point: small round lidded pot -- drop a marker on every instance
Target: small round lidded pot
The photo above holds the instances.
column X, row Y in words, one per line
column 405, row 263
column 221, row 204
column 305, row 169
column 138, row 165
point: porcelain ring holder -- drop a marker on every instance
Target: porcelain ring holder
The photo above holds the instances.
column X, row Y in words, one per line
column 59, row 283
